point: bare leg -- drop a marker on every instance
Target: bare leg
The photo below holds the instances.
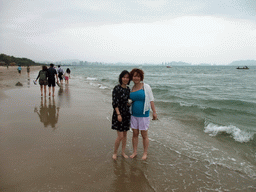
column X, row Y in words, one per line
column 144, row 135
column 53, row 89
column 49, row 91
column 135, row 139
column 124, row 144
column 117, row 143
column 41, row 89
column 44, row 90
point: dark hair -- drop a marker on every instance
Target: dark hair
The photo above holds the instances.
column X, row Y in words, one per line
column 139, row 72
column 58, row 65
column 122, row 74
column 68, row 70
column 44, row 68
column 51, row 65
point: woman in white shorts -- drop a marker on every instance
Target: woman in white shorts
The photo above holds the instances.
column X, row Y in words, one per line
column 142, row 99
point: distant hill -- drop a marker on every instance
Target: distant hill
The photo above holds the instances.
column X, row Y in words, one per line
column 243, row 63
column 11, row 60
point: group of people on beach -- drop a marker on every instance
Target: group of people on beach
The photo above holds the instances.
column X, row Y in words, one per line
column 131, row 109
column 47, row 76
column 19, row 69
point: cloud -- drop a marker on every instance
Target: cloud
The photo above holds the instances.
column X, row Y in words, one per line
column 191, row 39
column 118, row 30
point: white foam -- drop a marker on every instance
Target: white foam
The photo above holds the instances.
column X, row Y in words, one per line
column 102, row 87
column 236, row 133
column 91, row 78
column 183, row 104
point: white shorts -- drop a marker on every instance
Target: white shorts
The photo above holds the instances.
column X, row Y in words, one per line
column 140, row 123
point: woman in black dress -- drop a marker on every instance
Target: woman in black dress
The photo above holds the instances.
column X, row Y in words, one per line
column 121, row 114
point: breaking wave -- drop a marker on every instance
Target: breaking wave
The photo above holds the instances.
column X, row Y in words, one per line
column 236, row 133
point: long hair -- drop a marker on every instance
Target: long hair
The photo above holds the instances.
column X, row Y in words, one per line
column 122, row 74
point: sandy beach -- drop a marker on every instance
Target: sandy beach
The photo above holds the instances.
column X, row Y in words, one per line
column 65, row 143
column 9, row 77
column 61, row 143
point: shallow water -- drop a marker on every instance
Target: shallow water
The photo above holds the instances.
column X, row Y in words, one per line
column 207, row 122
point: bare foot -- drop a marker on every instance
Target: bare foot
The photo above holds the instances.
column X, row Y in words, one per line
column 144, row 157
column 114, row 156
column 133, row 155
column 125, row 156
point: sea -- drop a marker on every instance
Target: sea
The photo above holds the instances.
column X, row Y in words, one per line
column 206, row 128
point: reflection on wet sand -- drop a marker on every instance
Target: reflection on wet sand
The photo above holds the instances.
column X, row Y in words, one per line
column 130, row 177
column 28, row 80
column 48, row 114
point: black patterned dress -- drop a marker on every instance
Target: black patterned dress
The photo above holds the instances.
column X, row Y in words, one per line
column 120, row 97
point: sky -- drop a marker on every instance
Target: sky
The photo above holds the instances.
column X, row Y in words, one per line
column 135, row 31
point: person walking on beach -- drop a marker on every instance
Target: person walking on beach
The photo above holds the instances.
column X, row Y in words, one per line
column 60, row 73
column 52, row 73
column 121, row 114
column 28, row 69
column 42, row 76
column 19, row 69
column 67, row 75
column 142, row 99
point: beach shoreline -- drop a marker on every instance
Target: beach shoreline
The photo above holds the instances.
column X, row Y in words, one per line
column 65, row 143
column 61, row 143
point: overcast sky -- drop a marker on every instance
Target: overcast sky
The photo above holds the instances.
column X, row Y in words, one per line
column 135, row 31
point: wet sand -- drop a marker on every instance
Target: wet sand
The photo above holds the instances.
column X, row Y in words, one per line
column 65, row 143
column 9, row 77
column 61, row 143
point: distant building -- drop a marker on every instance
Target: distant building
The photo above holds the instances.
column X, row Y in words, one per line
column 12, row 64
column 2, row 63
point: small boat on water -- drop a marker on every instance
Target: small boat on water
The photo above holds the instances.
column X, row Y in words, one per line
column 245, row 67
column 168, row 66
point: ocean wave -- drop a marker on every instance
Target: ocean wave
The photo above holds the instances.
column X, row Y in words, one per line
column 102, row 86
column 235, row 102
column 91, row 78
column 236, row 133
column 205, row 107
column 182, row 105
